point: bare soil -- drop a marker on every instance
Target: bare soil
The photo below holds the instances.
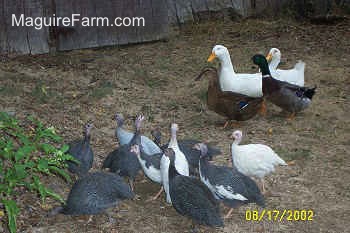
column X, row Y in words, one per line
column 157, row 79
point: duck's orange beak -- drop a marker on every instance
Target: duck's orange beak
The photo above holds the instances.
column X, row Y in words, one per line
column 211, row 57
column 269, row 57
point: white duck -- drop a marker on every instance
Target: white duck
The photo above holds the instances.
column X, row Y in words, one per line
column 181, row 163
column 254, row 159
column 294, row 76
column 125, row 136
column 246, row 84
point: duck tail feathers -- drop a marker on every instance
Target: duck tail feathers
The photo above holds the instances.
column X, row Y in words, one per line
column 300, row 65
column 309, row 93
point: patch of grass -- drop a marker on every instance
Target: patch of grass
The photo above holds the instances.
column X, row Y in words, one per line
column 295, row 154
column 104, row 89
column 10, row 89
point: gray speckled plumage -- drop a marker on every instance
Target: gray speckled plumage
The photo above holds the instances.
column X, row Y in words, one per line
column 122, row 160
column 236, row 185
column 81, row 150
column 96, row 192
column 191, row 198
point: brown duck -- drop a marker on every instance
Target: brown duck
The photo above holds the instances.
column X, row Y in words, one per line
column 229, row 104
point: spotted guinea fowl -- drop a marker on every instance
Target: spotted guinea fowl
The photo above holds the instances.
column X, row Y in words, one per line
column 81, row 150
column 289, row 97
column 190, row 197
column 186, row 146
column 94, row 194
column 124, row 137
column 233, row 106
column 256, row 160
column 227, row 183
column 122, row 160
column 180, row 161
column 150, row 166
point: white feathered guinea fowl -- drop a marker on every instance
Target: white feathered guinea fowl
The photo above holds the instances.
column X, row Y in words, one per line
column 125, row 136
column 228, row 184
column 150, row 166
column 294, row 76
column 256, row 160
column 181, row 163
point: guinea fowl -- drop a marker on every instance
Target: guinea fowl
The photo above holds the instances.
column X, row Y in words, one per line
column 95, row 193
column 256, row 160
column 122, row 160
column 186, row 146
column 124, row 138
column 180, row 162
column 190, row 197
column 81, row 150
column 150, row 166
column 233, row 106
column 227, row 183
column 289, row 97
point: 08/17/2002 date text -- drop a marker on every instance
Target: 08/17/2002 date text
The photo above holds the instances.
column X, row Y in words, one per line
column 279, row 215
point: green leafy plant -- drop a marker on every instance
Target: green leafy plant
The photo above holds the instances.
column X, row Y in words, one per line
column 28, row 151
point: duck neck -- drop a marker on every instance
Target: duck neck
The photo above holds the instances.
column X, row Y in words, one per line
column 226, row 64
column 274, row 63
column 265, row 70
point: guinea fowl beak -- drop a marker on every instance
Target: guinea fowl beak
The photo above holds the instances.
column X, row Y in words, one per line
column 269, row 57
column 211, row 57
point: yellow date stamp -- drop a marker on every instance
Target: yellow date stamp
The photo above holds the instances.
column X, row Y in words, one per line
column 279, row 215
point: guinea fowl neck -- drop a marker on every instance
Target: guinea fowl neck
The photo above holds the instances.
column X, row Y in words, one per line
column 173, row 140
column 172, row 171
column 87, row 135
column 136, row 139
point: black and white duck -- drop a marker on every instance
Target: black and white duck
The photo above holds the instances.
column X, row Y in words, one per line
column 227, row 183
column 81, row 150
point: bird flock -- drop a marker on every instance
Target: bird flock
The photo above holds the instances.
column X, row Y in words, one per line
column 193, row 185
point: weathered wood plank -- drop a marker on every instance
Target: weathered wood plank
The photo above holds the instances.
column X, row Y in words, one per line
column 153, row 11
column 22, row 39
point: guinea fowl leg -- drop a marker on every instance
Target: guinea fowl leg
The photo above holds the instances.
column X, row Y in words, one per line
column 263, row 185
column 291, row 116
column 157, row 195
column 263, row 110
column 131, row 183
column 228, row 213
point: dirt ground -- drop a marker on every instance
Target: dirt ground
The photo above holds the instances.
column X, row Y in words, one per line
column 157, row 79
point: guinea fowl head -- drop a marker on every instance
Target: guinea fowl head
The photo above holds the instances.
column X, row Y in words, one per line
column 138, row 122
column 237, row 136
column 88, row 128
column 157, row 136
column 202, row 148
column 135, row 149
column 220, row 52
column 274, row 53
column 119, row 119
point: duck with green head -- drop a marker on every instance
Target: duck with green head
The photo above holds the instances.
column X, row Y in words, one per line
column 291, row 98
